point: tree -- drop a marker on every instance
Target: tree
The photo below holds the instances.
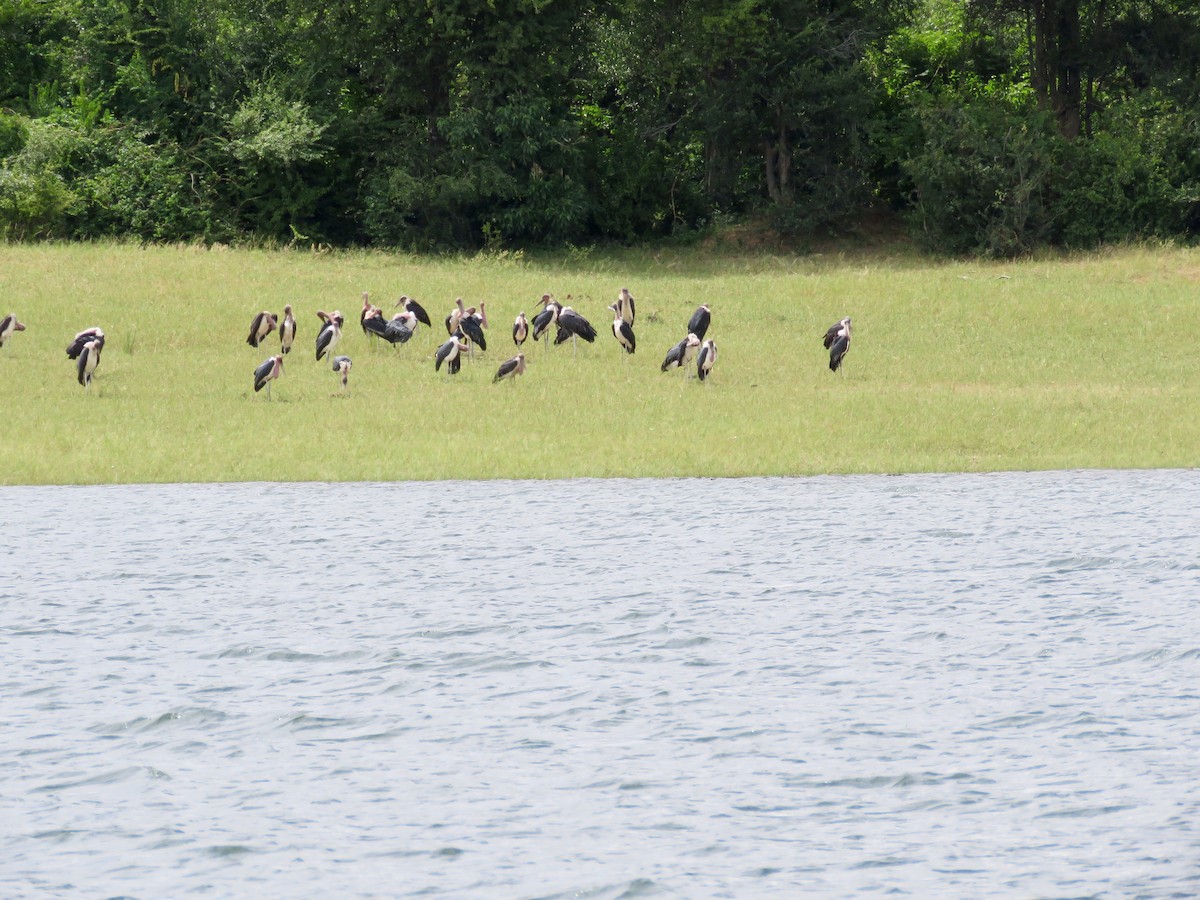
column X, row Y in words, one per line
column 1080, row 53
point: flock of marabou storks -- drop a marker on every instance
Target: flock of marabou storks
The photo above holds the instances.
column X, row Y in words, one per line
column 466, row 327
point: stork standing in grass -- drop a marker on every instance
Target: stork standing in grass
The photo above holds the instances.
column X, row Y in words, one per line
column 547, row 317
column 77, row 343
column 450, row 353
column 510, row 368
column 342, row 365
column 412, row 306
column 375, row 325
column 520, row 329
column 271, row 369
column 706, row 359
column 681, row 354
column 571, row 324
column 622, row 330
column 472, row 323
column 287, row 330
column 699, row 322
column 9, row 326
column 88, row 359
column 371, row 317
column 330, row 333
column 400, row 328
column 626, row 306
column 262, row 325
column 837, row 342
column 455, row 318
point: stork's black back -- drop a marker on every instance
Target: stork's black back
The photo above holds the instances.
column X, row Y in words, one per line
column 627, row 333
column 324, row 338
column 81, row 364
column 396, row 332
column 506, row 368
column 472, row 329
column 419, row 311
column 838, row 351
column 834, row 331
column 542, row 321
column 572, row 323
column 375, row 325
column 442, row 352
column 261, row 373
column 674, row 356
column 76, row 345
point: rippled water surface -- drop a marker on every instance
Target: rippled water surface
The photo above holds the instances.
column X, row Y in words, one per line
column 934, row 685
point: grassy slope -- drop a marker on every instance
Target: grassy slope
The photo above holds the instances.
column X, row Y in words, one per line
column 1087, row 362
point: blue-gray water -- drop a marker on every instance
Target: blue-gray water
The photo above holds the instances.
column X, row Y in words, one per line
column 934, row 685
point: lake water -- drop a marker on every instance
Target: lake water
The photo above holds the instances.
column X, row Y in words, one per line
column 960, row 686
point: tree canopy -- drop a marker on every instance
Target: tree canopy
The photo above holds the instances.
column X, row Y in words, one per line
column 993, row 126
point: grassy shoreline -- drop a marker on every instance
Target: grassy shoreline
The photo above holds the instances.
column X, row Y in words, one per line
column 1083, row 362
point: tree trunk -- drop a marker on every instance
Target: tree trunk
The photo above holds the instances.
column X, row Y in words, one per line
column 777, row 158
column 1055, row 71
column 1068, row 94
column 783, row 164
column 769, row 155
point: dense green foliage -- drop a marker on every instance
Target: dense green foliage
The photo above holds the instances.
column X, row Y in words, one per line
column 994, row 126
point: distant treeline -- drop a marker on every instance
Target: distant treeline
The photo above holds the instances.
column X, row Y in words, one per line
column 993, row 126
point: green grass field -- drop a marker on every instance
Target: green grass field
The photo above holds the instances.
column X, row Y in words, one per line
column 1086, row 362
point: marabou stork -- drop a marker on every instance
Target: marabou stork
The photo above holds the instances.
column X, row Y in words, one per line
column 834, row 330
column 371, row 317
column 627, row 307
column 263, row 324
column 400, row 328
column 837, row 342
column 706, row 359
column 271, row 369
column 455, row 317
column 472, row 324
column 412, row 306
column 341, row 365
column 375, row 325
column 699, row 322
column 679, row 355
column 9, row 325
column 547, row 317
column 450, row 353
column 622, row 330
column 571, row 324
column 330, row 333
column 88, row 334
column 520, row 329
column 510, row 368
column 88, row 359
column 287, row 330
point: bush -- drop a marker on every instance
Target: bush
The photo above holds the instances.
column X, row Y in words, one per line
column 1131, row 180
column 980, row 181
column 127, row 184
column 34, row 196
